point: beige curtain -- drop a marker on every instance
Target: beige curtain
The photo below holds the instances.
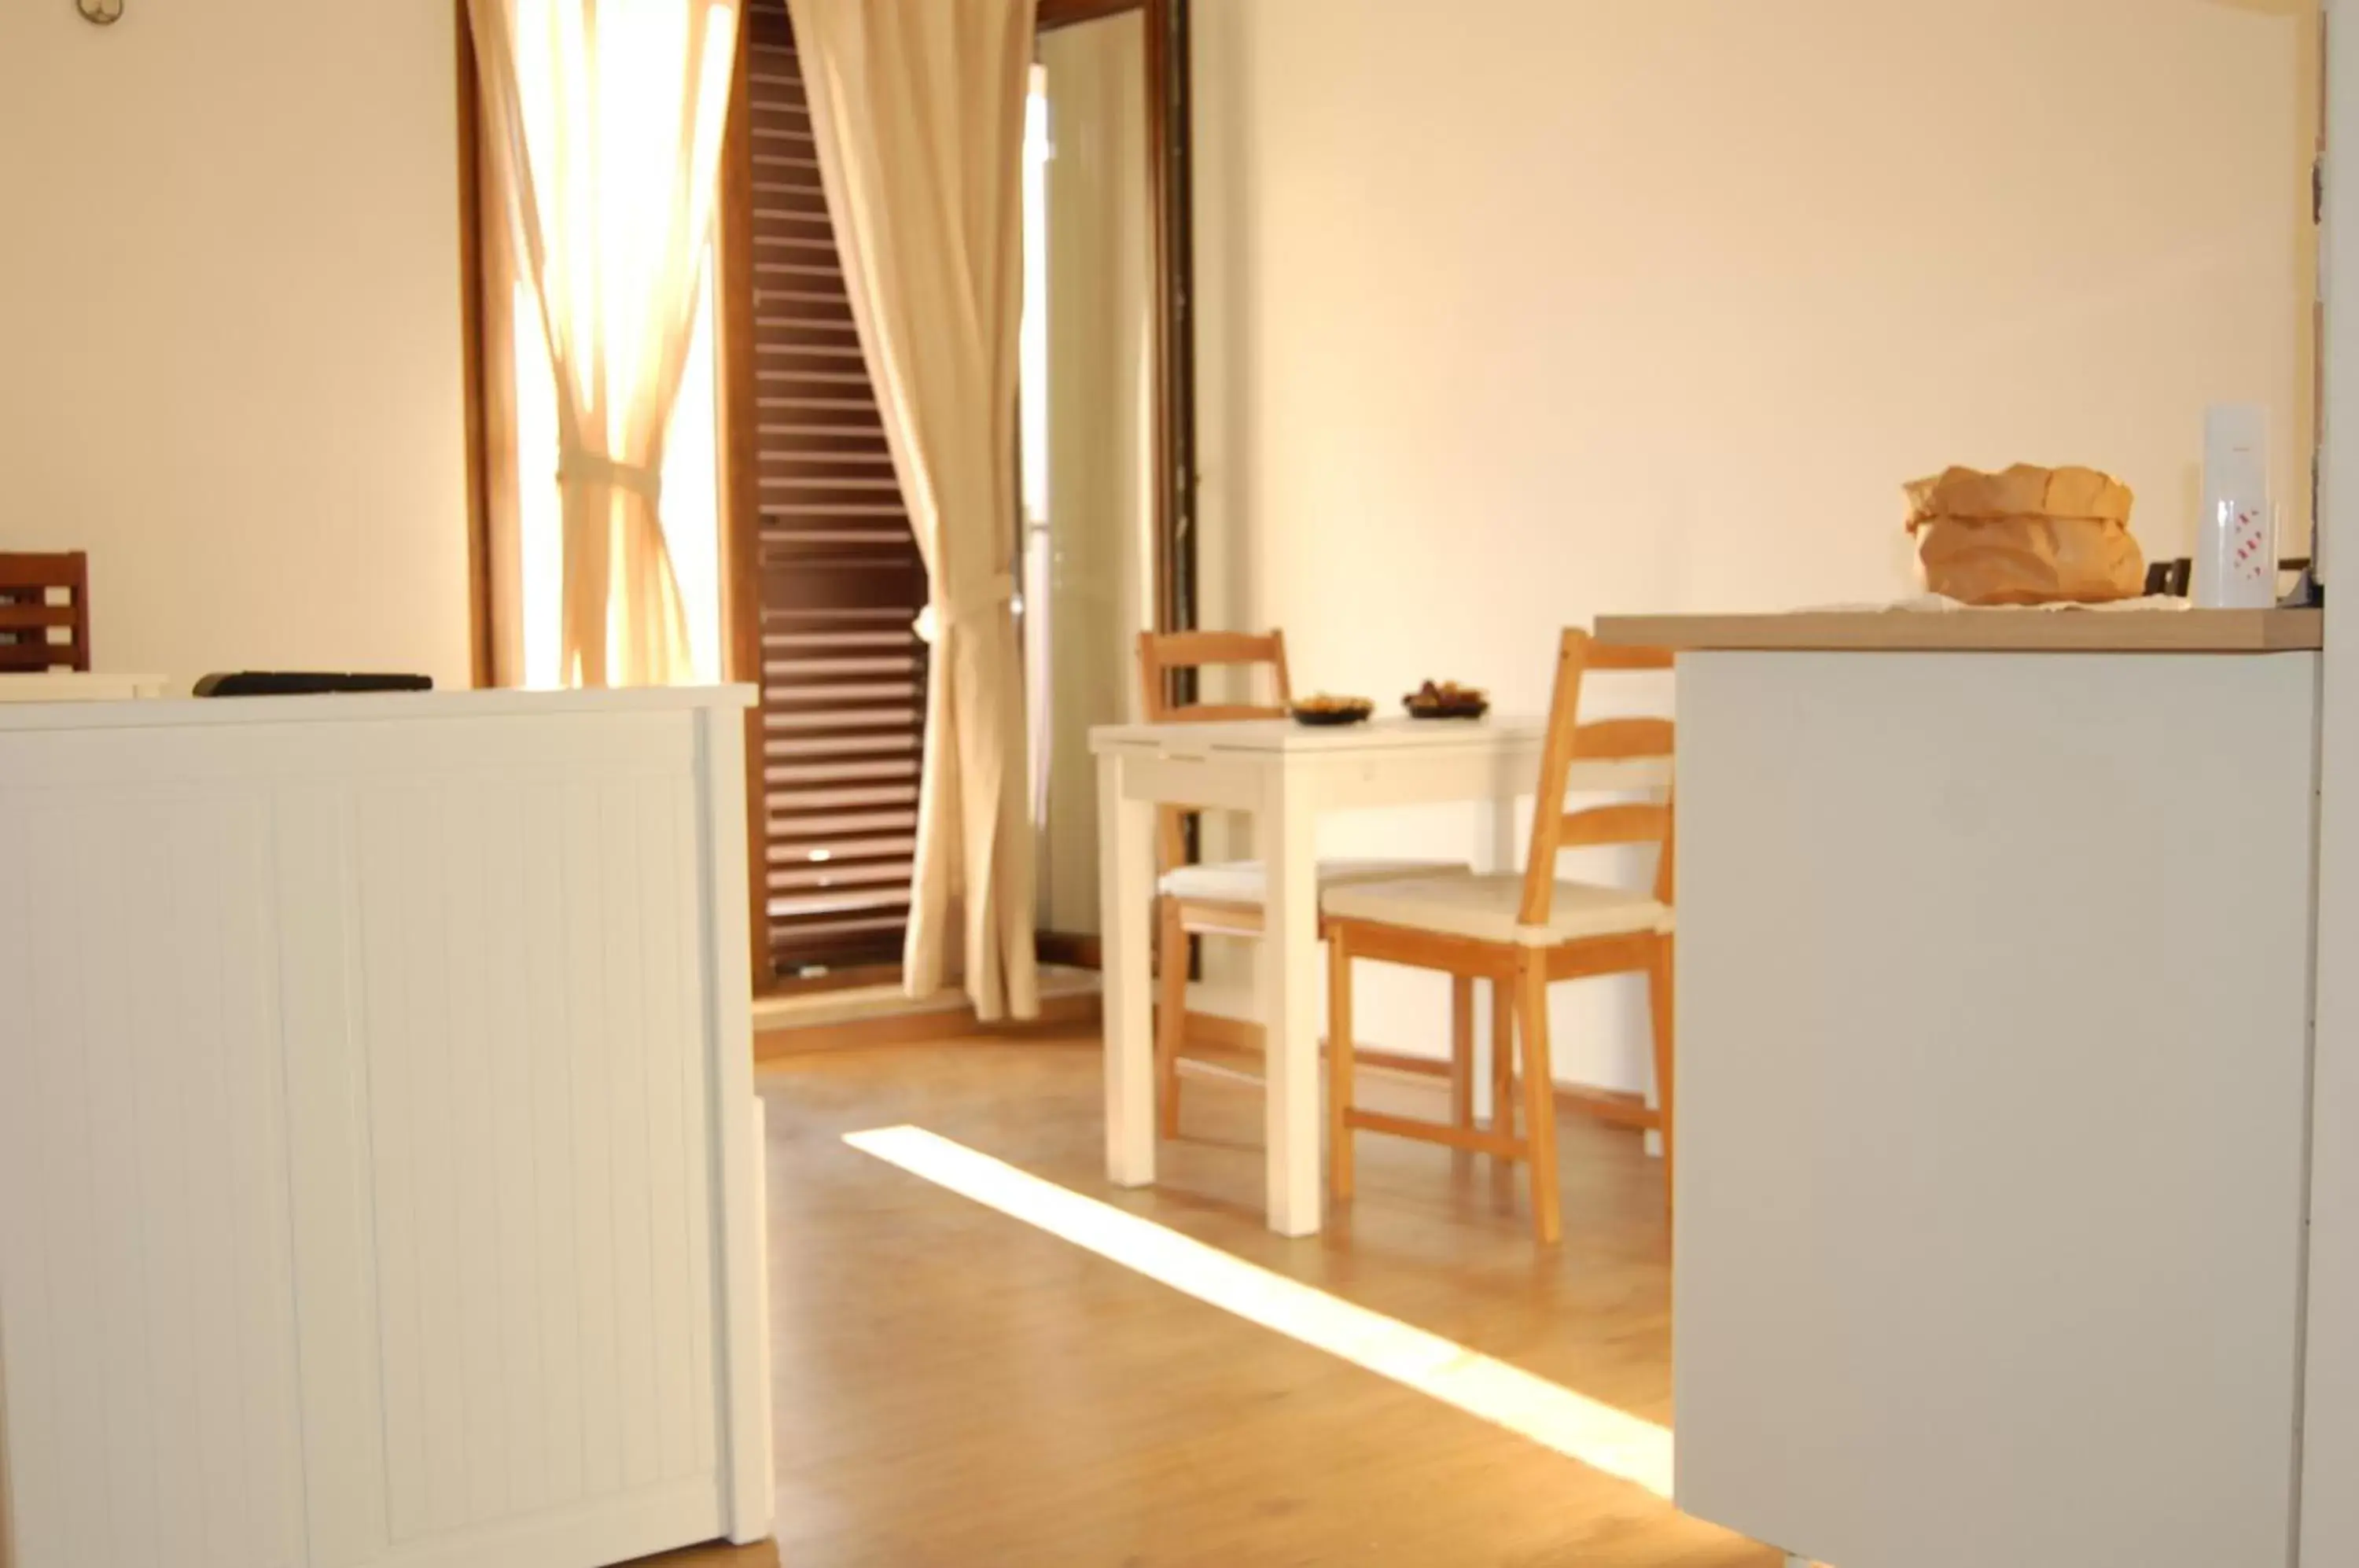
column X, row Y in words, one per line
column 917, row 107
column 602, row 130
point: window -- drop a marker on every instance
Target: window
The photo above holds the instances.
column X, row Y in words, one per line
column 824, row 579
column 518, row 545
column 691, row 509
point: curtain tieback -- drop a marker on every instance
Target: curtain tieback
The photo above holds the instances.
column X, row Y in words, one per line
column 580, row 465
column 943, row 615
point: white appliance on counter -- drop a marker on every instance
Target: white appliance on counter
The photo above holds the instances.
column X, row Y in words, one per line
column 379, row 1155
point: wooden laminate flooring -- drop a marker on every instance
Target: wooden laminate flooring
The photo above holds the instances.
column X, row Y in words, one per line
column 957, row 1387
column 762, row 1556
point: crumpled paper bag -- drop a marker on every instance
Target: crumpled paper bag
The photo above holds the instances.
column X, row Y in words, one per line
column 2026, row 536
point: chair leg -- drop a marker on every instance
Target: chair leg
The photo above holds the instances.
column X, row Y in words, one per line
column 1502, row 1058
column 1339, row 1065
column 1539, row 1094
column 1170, row 1013
column 1659, row 1008
column 1461, row 1059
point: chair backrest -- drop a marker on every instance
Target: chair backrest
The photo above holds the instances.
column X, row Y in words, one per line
column 1162, row 653
column 1605, row 740
column 27, row 615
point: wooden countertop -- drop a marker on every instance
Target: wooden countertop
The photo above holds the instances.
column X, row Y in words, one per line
column 1978, row 631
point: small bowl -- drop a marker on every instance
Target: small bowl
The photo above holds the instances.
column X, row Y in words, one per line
column 1473, row 709
column 1431, row 701
column 1356, row 713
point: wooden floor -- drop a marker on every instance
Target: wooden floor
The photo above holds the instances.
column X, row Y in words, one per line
column 956, row 1388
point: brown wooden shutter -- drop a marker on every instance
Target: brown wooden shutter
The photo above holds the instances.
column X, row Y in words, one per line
column 844, row 676
column 45, row 612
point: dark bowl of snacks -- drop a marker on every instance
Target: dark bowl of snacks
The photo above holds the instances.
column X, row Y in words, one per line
column 1323, row 709
column 1446, row 700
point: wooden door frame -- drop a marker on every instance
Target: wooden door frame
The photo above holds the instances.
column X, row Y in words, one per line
column 2328, row 1522
column 472, row 350
column 740, row 499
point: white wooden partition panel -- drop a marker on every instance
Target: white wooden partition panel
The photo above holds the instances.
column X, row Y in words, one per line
column 1994, row 1039
column 147, row 1294
column 376, row 1126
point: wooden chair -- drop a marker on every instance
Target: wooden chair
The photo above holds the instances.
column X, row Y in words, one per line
column 1521, row 933
column 26, row 616
column 1224, row 898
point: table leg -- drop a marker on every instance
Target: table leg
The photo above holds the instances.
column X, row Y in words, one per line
column 1501, row 852
column 1289, row 988
column 1125, row 897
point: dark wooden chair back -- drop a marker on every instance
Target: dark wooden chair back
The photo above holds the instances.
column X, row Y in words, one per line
column 43, row 612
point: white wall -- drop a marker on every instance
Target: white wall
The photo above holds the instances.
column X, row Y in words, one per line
column 230, row 352
column 1544, row 309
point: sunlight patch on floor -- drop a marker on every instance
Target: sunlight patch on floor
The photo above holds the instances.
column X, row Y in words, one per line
column 1581, row 1429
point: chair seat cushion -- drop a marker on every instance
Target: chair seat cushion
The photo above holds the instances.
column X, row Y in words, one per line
column 1244, row 881
column 1485, row 908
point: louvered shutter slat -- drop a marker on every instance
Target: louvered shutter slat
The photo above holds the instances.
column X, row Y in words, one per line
column 844, row 676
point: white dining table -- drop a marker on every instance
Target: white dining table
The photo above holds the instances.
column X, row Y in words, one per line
column 1285, row 775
